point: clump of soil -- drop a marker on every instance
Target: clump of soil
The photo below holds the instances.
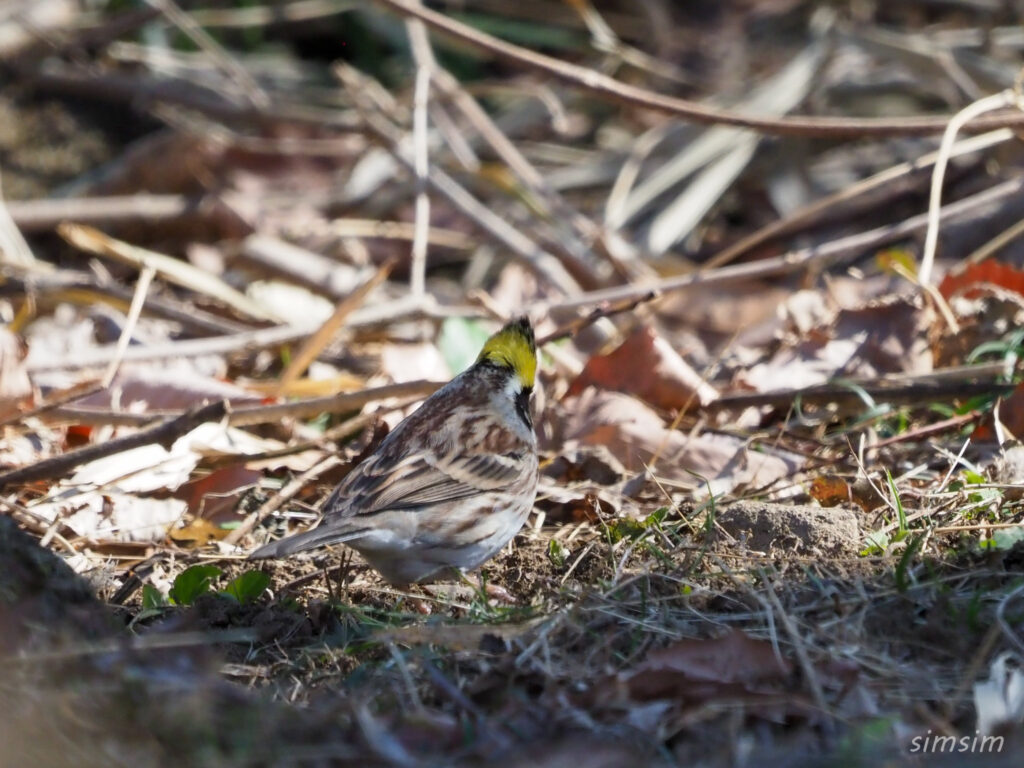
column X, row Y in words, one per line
column 797, row 529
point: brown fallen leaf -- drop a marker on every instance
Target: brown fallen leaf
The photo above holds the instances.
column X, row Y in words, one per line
column 701, row 669
column 411, row 362
column 645, row 365
column 991, row 272
column 696, row 673
column 832, row 490
column 594, row 464
column 634, row 434
column 746, row 309
column 197, row 533
column 215, row 496
column 113, row 515
column 881, row 337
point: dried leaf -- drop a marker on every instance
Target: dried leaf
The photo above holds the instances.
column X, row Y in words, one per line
column 153, row 467
column 412, row 362
column 216, row 496
column 991, row 272
column 292, row 303
column 1011, row 414
column 113, row 515
column 830, row 490
column 699, row 671
column 882, row 337
column 646, row 365
column 634, row 434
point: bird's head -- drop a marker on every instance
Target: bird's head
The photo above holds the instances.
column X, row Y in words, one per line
column 514, row 350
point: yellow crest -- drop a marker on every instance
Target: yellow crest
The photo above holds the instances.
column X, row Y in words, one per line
column 513, row 347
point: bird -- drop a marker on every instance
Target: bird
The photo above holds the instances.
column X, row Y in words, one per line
column 452, row 483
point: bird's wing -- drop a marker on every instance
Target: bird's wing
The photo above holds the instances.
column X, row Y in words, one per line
column 422, row 478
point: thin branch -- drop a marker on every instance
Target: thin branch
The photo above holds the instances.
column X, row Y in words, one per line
column 315, row 344
column 545, row 264
column 925, row 390
column 958, row 121
column 138, row 300
column 425, row 66
column 288, row 492
column 600, row 84
column 573, row 328
column 56, row 399
column 808, row 213
column 247, row 415
column 803, row 258
column 214, row 50
column 164, row 433
column 142, row 92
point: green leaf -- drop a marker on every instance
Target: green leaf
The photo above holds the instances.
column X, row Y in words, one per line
column 247, row 587
column 626, row 528
column 557, row 553
column 876, row 544
column 903, row 567
column 461, row 341
column 901, row 513
column 1004, row 538
column 193, row 582
column 152, row 599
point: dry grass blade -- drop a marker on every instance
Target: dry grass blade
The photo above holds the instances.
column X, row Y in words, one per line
column 957, row 122
column 47, row 213
column 275, row 502
column 138, row 300
column 172, row 270
column 425, row 66
column 323, row 336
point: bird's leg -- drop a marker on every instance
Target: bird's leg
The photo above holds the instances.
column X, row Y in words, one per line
column 342, row 572
column 487, row 589
column 417, row 604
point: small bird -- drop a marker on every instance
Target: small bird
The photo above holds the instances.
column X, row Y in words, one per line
column 452, row 483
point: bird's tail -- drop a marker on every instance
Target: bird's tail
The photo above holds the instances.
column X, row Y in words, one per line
column 322, row 536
